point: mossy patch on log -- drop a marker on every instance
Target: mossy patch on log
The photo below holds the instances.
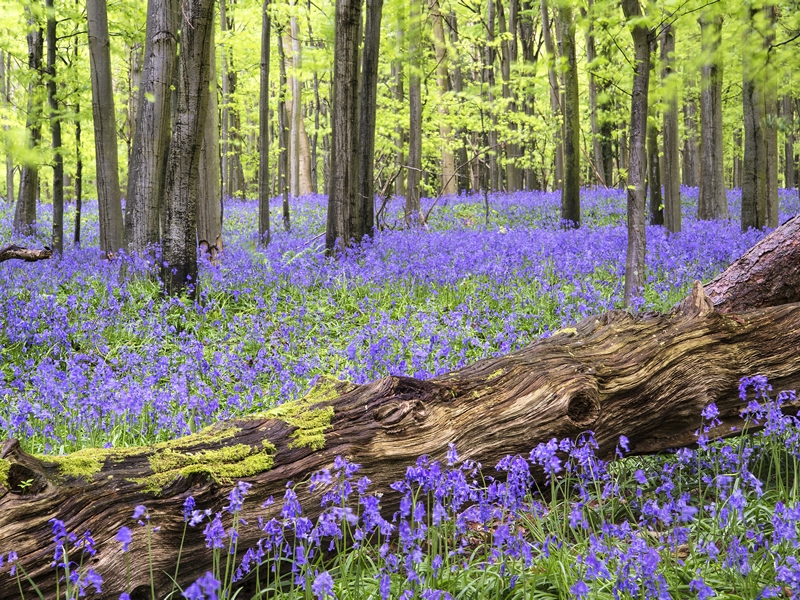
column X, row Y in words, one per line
column 5, row 467
column 222, row 465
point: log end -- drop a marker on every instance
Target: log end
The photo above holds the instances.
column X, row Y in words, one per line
column 696, row 304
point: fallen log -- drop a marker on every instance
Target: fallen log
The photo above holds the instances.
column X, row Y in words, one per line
column 647, row 378
column 13, row 251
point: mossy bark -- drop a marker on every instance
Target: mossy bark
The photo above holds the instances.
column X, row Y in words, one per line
column 645, row 377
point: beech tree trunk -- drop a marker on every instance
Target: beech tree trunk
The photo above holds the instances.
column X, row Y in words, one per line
column 105, row 128
column 179, row 272
column 690, row 173
column 25, row 210
column 555, row 101
column 449, row 180
column 209, row 190
column 712, row 203
column 672, row 173
column 413, row 191
column 754, row 164
column 264, row 233
column 571, row 188
column 790, row 168
column 637, row 171
column 55, row 133
column 148, row 162
column 5, row 101
column 647, row 378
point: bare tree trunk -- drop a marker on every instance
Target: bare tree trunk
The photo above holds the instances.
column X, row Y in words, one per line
column 399, row 98
column 754, row 175
column 209, row 192
column 672, row 172
column 510, row 146
column 597, row 151
column 573, row 381
column 264, row 233
column 136, row 57
column 225, row 119
column 654, row 172
column 571, row 189
column 55, row 132
column 691, row 153
column 637, row 172
column 790, row 164
column 737, row 158
column 365, row 223
column 555, row 103
column 105, row 128
column 297, row 115
column 5, row 102
column 76, row 237
column 494, row 176
column 412, row 208
column 283, row 134
column 771, row 118
column 712, row 203
column 25, row 213
column 462, row 166
column 148, row 163
column 343, row 186
column 317, row 111
column 449, row 180
column 179, row 273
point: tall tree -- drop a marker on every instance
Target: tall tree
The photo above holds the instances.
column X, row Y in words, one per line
column 413, row 192
column 571, row 189
column 297, row 113
column 771, row 114
column 634, row 261
column 209, row 191
column 672, row 173
column 555, row 102
column 183, row 162
column 449, row 181
column 754, row 165
column 148, row 162
column 105, row 128
column 343, row 184
column 790, row 162
column 263, row 130
column 712, row 203
column 367, row 116
column 25, row 213
column 5, row 101
column 55, row 133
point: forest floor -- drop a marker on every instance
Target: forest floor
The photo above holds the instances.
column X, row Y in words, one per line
column 91, row 355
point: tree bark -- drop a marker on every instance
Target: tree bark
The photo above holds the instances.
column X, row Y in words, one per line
column 105, row 128
column 365, row 225
column 297, row 113
column 343, row 184
column 179, row 272
column 5, row 101
column 691, row 153
column 647, row 378
column 712, row 203
column 509, row 143
column 672, row 173
column 555, row 101
column 754, row 175
column 597, row 150
column 771, row 117
column 790, row 163
column 264, row 233
column 449, row 181
column 209, row 190
column 571, row 189
column 462, row 165
column 654, row 174
column 148, row 163
column 55, row 133
column 637, row 171
column 25, row 213
column 413, row 192
column 283, row 134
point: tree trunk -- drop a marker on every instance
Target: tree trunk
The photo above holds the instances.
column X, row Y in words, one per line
column 179, row 272
column 654, row 174
column 494, row 178
column 134, row 92
column 575, row 380
column 209, row 192
column 413, row 192
column 105, row 128
column 55, row 133
column 672, row 173
column 691, row 153
column 509, row 144
column 76, row 236
column 449, row 182
column 737, row 158
column 571, row 189
column 771, row 118
column 790, row 164
column 555, row 102
column 637, row 171
column 283, row 134
column 25, row 213
column 368, row 109
column 297, row 113
column 712, row 203
column 597, row 150
column 398, row 66
column 343, row 184
column 462, row 165
column 754, row 175
column 148, row 163
column 264, row 232
column 5, row 101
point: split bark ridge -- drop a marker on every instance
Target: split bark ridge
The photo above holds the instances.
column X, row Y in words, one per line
column 647, row 378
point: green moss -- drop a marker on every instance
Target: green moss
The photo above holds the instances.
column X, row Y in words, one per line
column 496, row 374
column 5, row 467
column 310, row 423
column 222, row 465
column 84, row 463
